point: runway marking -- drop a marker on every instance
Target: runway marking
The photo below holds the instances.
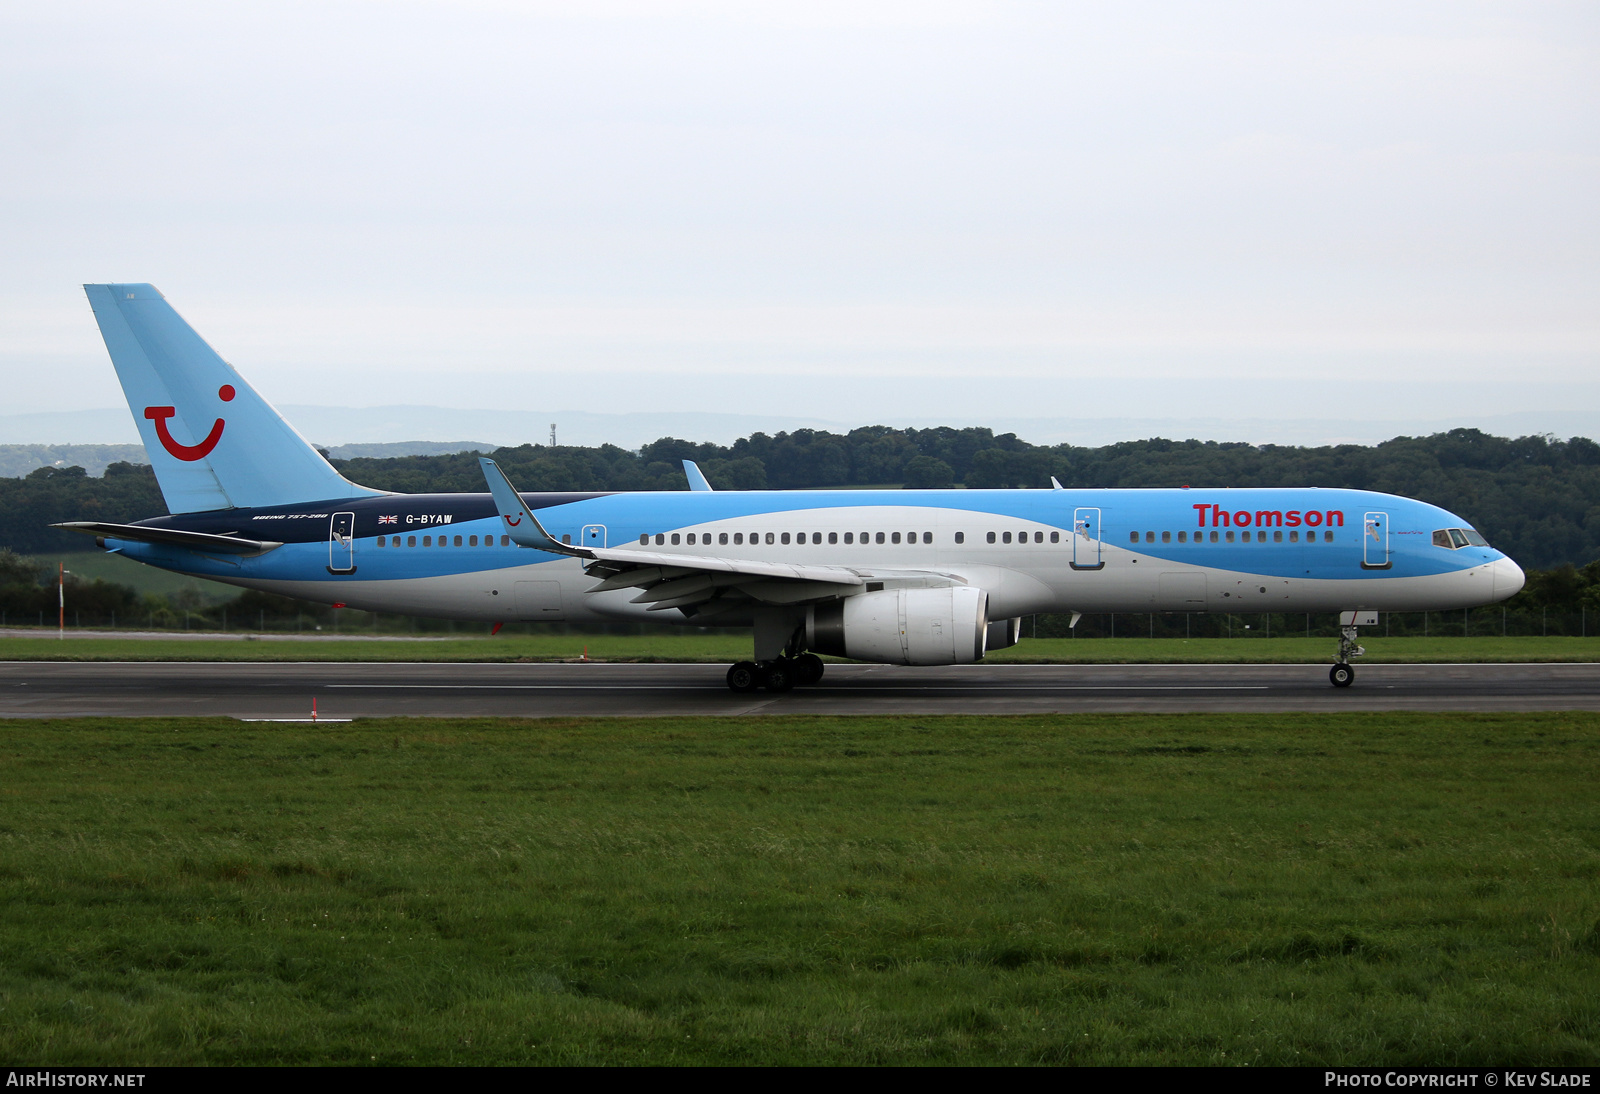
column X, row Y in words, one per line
column 1009, row 690
column 308, row 721
column 984, row 667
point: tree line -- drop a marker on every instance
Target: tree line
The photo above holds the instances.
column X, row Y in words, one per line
column 1536, row 498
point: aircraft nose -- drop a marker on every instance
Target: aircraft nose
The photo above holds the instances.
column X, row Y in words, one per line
column 1508, row 578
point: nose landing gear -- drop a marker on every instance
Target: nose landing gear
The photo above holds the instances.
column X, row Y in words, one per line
column 1342, row 675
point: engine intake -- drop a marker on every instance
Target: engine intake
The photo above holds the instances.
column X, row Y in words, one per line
column 903, row 626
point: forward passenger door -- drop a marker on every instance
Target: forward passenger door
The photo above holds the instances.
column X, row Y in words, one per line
column 1375, row 542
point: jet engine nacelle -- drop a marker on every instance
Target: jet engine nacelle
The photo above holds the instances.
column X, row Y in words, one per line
column 903, row 626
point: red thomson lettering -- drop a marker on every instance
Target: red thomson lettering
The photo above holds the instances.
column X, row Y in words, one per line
column 1335, row 517
column 1241, row 519
column 1219, row 517
column 1269, row 518
column 1200, row 509
column 1313, row 518
column 1292, row 518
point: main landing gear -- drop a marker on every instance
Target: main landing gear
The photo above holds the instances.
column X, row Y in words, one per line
column 778, row 675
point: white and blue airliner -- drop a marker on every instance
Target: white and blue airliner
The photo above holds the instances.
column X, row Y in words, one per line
column 925, row 577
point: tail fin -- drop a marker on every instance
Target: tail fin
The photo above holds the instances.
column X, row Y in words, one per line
column 214, row 442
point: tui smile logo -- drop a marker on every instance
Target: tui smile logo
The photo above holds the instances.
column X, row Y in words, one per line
column 188, row 452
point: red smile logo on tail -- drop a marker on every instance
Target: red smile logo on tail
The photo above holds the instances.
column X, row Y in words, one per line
column 188, row 452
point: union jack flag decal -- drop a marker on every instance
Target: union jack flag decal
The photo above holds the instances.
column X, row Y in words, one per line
column 389, row 520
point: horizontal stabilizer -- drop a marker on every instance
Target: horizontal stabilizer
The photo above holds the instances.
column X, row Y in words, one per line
column 172, row 537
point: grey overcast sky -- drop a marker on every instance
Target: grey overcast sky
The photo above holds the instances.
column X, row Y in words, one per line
column 860, row 211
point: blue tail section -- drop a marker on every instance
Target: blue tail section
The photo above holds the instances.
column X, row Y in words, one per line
column 214, row 442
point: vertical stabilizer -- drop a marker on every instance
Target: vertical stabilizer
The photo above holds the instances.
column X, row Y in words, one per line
column 214, row 442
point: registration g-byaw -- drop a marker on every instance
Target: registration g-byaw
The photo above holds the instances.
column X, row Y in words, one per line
column 926, row 577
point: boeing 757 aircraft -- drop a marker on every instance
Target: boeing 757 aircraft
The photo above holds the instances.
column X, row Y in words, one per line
column 926, row 577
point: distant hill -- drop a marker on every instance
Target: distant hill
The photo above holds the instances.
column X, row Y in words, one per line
column 17, row 460
column 330, row 425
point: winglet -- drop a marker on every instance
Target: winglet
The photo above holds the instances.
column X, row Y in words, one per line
column 1055, row 484
column 520, row 523
column 697, row 481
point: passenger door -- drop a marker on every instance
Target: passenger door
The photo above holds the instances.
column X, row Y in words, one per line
column 1375, row 542
column 1086, row 540
column 342, row 543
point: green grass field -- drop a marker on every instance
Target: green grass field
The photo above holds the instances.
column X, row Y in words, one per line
column 90, row 565
column 1340, row 889
column 726, row 648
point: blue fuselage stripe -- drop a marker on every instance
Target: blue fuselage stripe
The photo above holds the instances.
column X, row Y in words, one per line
column 1278, row 524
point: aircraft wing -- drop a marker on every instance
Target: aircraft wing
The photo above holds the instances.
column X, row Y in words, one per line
column 670, row 580
column 173, row 537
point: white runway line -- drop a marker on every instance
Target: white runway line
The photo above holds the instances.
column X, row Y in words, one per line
column 1010, row 690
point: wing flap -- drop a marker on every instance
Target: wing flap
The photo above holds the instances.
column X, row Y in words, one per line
column 627, row 556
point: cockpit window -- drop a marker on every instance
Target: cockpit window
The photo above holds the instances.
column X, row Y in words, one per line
column 1453, row 539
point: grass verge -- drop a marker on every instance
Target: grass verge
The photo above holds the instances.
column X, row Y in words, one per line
column 725, row 648
column 1329, row 889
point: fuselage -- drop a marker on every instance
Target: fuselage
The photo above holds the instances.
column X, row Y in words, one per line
column 1204, row 550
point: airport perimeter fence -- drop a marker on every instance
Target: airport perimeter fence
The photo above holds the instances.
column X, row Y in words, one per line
column 1493, row 621
column 1487, row 622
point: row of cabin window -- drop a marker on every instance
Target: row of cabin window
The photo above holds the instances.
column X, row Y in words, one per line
column 1022, row 537
column 784, row 537
column 444, row 541
column 1261, row 537
column 832, row 538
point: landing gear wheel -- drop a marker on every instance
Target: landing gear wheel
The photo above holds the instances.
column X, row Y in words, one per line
column 1341, row 676
column 778, row 676
column 744, row 677
column 807, row 669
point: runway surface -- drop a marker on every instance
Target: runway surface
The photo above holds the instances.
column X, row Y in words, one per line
column 352, row 690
